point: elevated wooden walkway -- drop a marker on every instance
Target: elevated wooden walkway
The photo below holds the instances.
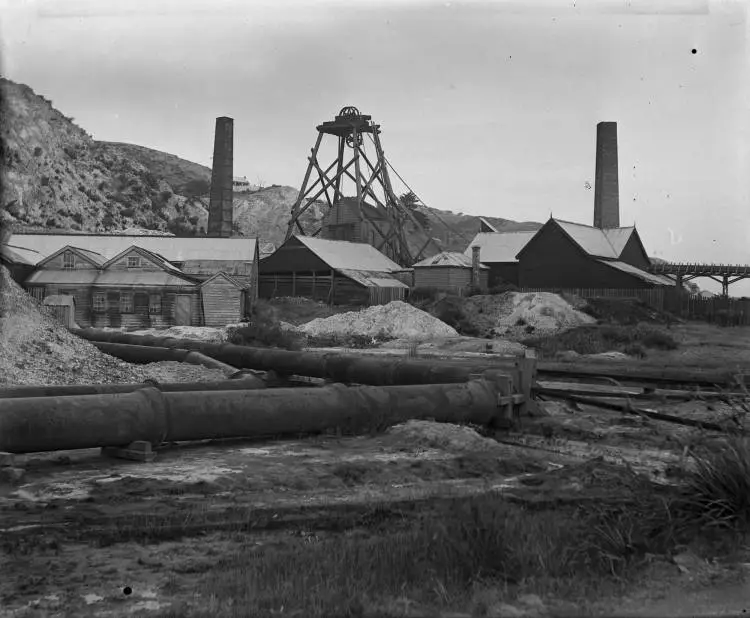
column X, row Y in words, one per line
column 725, row 274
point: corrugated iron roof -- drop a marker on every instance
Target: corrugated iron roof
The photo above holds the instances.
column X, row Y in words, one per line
column 342, row 254
column 171, row 248
column 139, row 279
column 449, row 258
column 372, row 279
column 591, row 239
column 205, row 267
column 18, row 255
column 96, row 258
column 637, row 272
column 618, row 237
column 496, row 247
column 62, row 277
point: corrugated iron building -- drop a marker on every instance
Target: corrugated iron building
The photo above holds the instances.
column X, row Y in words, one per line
column 571, row 255
column 448, row 271
column 335, row 271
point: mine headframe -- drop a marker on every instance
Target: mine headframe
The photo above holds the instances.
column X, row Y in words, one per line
column 374, row 192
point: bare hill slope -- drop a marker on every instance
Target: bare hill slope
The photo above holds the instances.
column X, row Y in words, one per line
column 56, row 176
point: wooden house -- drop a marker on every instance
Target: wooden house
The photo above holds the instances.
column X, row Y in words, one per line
column 571, row 255
column 448, row 271
column 336, row 271
column 199, row 257
column 135, row 289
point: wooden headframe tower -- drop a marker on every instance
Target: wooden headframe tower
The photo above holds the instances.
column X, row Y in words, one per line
column 369, row 173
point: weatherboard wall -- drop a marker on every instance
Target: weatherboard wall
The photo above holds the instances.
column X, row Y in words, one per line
column 446, row 277
column 222, row 302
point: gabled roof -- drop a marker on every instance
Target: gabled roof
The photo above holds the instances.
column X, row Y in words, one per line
column 231, row 280
column 448, row 258
column 345, row 255
column 591, row 239
column 637, row 272
column 497, row 247
column 171, row 248
column 486, row 226
column 93, row 258
column 607, row 243
column 149, row 255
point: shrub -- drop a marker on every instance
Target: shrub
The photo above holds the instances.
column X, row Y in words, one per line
column 501, row 288
column 264, row 330
column 44, row 181
column 717, row 490
column 653, row 338
column 38, row 151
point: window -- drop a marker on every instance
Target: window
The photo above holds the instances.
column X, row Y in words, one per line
column 100, row 302
column 154, row 303
column 126, row 302
column 69, row 260
column 134, row 261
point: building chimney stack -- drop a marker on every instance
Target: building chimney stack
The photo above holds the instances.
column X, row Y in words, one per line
column 220, row 206
column 475, row 265
column 606, row 184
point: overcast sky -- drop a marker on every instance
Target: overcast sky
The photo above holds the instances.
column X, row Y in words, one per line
column 485, row 108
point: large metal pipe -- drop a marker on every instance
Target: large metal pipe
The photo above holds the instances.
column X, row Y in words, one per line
column 381, row 370
column 339, row 367
column 139, row 354
column 247, row 382
column 61, row 423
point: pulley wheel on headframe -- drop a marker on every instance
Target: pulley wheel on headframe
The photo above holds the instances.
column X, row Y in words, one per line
column 349, row 111
column 350, row 140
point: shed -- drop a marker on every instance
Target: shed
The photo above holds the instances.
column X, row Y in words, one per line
column 335, row 271
column 448, row 271
column 223, row 300
column 63, row 308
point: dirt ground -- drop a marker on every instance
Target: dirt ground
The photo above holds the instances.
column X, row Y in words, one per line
column 84, row 535
column 81, row 528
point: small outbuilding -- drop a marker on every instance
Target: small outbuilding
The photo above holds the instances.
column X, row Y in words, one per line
column 63, row 308
column 451, row 272
column 223, row 300
column 498, row 252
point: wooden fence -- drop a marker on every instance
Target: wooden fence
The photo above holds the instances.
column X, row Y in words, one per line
column 716, row 309
column 656, row 297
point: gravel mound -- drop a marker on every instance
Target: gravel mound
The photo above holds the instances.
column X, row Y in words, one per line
column 397, row 319
column 547, row 313
column 441, row 435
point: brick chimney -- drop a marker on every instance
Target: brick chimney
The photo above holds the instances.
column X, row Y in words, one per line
column 220, row 205
column 475, row 265
column 606, row 184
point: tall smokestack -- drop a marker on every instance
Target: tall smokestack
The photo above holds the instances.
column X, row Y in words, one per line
column 475, row 268
column 606, row 184
column 220, row 205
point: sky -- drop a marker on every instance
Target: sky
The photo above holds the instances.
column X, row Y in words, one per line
column 486, row 108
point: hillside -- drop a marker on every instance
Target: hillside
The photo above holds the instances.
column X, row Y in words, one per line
column 56, row 176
